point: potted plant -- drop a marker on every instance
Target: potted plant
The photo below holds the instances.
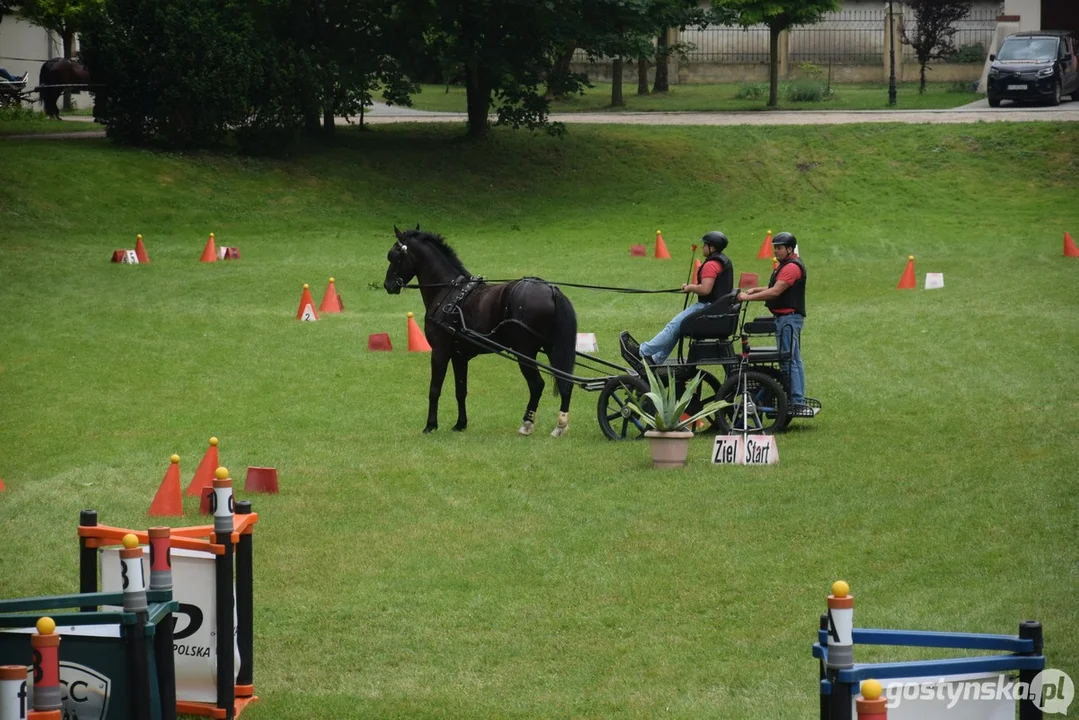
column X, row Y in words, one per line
column 665, row 413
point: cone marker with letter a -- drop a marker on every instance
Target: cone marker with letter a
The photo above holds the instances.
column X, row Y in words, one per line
column 204, row 475
column 1069, row 246
column 169, row 501
column 140, row 251
column 209, row 253
column 417, row 341
column 908, row 281
column 331, row 303
column 307, row 311
column 766, row 247
column 870, row 704
column 661, row 247
column 841, row 626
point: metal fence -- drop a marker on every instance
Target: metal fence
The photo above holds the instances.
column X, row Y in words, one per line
column 849, row 37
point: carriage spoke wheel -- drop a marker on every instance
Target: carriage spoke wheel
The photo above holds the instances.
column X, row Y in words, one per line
column 616, row 420
column 758, row 408
column 706, row 392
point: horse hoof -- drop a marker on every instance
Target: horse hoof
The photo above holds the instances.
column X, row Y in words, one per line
column 430, row 429
column 459, row 427
column 559, row 431
column 562, row 426
column 526, row 428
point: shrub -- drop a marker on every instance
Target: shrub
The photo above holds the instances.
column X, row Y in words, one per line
column 751, row 91
column 963, row 86
column 968, row 54
column 805, row 91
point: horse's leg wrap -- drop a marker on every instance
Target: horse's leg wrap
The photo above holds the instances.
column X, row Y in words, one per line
column 562, row 426
column 528, row 424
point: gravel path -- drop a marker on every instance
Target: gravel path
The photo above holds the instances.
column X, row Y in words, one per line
column 976, row 112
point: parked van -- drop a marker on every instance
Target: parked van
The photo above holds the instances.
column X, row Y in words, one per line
column 1040, row 65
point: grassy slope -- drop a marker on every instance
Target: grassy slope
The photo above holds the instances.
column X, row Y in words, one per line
column 485, row 575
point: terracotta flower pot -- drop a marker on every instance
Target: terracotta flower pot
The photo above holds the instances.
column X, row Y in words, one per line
column 669, row 449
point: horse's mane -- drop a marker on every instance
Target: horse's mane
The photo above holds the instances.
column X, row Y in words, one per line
column 440, row 244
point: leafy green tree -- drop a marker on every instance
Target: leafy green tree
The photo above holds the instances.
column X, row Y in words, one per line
column 65, row 18
column 934, row 31
column 780, row 15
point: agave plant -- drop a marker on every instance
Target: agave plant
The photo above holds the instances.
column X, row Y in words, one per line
column 669, row 411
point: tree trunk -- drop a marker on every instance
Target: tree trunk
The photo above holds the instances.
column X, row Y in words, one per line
column 561, row 66
column 773, row 66
column 327, row 121
column 479, row 99
column 616, row 83
column 642, row 75
column 68, row 38
column 921, row 87
column 662, row 84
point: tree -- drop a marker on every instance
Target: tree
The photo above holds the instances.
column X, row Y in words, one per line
column 780, row 15
column 8, row 7
column 934, row 31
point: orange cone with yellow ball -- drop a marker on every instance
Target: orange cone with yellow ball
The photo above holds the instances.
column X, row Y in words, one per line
column 209, row 253
column 908, row 281
column 841, row 626
column 204, row 475
column 417, row 341
column 45, row 643
column 140, row 251
column 169, row 501
column 661, row 247
column 331, row 301
column 307, row 311
column 766, row 247
column 870, row 704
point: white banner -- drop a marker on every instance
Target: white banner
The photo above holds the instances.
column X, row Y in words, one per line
column 745, row 450
column 194, row 638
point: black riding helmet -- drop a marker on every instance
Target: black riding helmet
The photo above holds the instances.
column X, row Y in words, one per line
column 785, row 239
column 716, row 239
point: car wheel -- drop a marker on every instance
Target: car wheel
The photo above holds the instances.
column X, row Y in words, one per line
column 1055, row 100
column 994, row 101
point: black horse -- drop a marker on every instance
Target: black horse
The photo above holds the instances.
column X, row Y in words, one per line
column 527, row 315
column 60, row 71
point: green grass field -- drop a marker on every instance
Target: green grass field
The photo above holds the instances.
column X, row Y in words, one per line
column 486, row 575
column 719, row 97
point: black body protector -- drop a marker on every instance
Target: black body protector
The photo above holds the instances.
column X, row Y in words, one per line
column 724, row 283
column 795, row 295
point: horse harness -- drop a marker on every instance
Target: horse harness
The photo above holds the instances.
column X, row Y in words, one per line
column 448, row 315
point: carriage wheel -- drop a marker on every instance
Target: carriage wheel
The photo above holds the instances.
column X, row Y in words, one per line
column 616, row 420
column 706, row 392
column 760, row 408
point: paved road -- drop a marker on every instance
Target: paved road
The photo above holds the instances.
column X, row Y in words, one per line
column 975, row 112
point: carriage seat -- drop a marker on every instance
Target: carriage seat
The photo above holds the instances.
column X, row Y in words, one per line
column 718, row 320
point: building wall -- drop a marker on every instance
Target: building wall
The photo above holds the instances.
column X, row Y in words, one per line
column 1029, row 12
column 24, row 47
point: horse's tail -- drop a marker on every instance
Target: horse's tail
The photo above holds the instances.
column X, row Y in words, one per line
column 563, row 353
column 49, row 95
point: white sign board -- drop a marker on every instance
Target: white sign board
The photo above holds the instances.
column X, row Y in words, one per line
column 934, row 281
column 956, row 697
column 745, row 450
column 586, row 342
column 130, row 257
column 194, row 637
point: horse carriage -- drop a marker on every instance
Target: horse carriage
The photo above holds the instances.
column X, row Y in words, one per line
column 469, row 316
column 56, row 76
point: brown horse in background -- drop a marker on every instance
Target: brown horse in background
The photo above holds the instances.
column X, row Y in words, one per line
column 59, row 71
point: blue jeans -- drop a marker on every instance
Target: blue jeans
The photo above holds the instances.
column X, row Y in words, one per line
column 659, row 347
column 789, row 338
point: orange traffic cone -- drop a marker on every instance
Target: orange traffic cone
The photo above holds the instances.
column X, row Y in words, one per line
column 261, row 479
column 169, row 501
column 775, row 263
column 417, row 342
column 908, row 282
column 331, row 302
column 1069, row 246
column 2, row 488
column 661, row 247
column 307, row 311
column 766, row 247
column 209, row 253
column 693, row 272
column 140, row 251
column 204, row 476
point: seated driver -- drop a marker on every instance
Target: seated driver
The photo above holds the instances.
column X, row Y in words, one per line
column 714, row 280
